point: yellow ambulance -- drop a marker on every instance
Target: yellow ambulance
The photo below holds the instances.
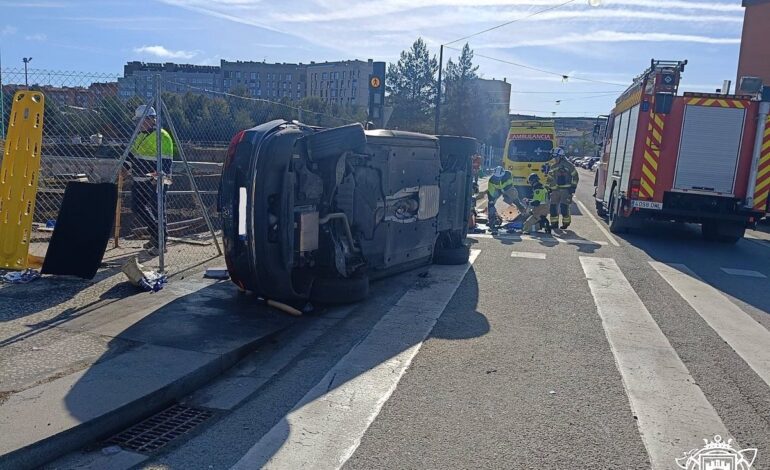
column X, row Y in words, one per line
column 527, row 148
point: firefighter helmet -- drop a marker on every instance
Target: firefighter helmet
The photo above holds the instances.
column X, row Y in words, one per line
column 498, row 172
column 558, row 152
column 533, row 178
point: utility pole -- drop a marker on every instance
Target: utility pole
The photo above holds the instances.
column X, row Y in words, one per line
column 26, row 61
column 438, row 91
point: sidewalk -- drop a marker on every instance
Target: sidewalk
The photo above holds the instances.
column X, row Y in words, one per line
column 82, row 360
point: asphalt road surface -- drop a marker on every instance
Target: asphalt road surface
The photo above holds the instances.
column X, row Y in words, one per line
column 588, row 350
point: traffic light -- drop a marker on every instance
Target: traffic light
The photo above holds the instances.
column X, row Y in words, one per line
column 377, row 94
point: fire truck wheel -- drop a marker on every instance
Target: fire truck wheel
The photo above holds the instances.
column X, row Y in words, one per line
column 617, row 221
column 722, row 232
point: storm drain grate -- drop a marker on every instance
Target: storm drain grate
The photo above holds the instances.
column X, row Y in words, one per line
column 157, row 431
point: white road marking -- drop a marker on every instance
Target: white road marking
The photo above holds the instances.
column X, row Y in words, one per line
column 514, row 237
column 672, row 412
column 604, row 230
column 326, row 426
column 744, row 273
column 526, row 254
column 744, row 334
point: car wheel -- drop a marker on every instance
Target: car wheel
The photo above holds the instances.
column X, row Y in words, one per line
column 452, row 256
column 333, row 142
column 330, row 290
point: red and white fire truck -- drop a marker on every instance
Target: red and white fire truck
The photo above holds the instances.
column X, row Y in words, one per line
column 697, row 157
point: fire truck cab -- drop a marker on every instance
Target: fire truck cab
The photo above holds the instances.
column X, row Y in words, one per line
column 692, row 158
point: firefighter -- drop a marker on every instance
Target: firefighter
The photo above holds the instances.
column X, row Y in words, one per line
column 562, row 180
column 501, row 185
column 539, row 206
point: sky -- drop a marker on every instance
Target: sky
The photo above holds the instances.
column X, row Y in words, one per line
column 599, row 48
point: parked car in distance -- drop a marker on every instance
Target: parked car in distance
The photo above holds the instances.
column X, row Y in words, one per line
column 313, row 214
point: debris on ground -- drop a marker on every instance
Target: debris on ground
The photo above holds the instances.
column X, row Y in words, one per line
column 21, row 277
column 217, row 273
column 424, row 274
column 284, row 308
column 150, row 281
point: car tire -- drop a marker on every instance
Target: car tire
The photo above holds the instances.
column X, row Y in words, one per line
column 333, row 142
column 452, row 256
column 330, row 290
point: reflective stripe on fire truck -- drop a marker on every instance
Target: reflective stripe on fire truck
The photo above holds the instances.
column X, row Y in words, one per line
column 716, row 102
column 763, row 173
column 651, row 155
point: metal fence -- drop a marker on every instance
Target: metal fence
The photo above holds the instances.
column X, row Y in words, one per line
column 88, row 127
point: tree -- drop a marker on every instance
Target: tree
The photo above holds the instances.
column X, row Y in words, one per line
column 461, row 94
column 411, row 87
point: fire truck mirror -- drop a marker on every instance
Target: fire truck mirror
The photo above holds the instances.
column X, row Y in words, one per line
column 663, row 103
column 597, row 132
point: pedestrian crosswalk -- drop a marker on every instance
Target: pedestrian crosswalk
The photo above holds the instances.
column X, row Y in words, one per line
column 666, row 401
column 672, row 412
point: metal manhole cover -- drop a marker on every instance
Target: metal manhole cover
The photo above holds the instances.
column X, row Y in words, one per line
column 157, row 431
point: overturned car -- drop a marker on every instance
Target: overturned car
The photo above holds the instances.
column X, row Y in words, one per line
column 314, row 214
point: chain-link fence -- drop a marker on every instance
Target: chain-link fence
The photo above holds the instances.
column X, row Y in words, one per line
column 88, row 127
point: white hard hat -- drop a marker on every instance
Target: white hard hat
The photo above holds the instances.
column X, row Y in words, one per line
column 140, row 112
column 558, row 152
column 498, row 172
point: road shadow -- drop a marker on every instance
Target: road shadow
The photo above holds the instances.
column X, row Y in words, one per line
column 679, row 243
column 218, row 320
column 51, row 290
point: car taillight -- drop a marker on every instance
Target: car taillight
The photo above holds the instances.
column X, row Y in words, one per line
column 635, row 185
column 233, row 145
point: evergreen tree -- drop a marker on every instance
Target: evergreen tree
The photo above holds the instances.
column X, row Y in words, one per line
column 411, row 85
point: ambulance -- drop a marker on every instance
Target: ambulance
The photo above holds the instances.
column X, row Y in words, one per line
column 527, row 148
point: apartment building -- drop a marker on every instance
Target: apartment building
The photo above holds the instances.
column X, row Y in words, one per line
column 263, row 80
column 343, row 82
column 139, row 78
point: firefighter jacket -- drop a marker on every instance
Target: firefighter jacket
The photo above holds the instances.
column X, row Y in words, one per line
column 497, row 186
column 539, row 195
column 562, row 175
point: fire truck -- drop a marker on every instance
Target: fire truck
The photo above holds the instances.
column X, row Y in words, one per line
column 701, row 158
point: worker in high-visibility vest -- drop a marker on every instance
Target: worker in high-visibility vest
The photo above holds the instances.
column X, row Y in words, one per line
column 142, row 161
column 562, row 181
column 501, row 185
column 539, row 207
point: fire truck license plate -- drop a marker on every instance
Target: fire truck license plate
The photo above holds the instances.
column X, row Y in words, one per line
column 647, row 205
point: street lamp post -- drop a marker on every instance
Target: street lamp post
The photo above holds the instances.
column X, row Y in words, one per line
column 26, row 61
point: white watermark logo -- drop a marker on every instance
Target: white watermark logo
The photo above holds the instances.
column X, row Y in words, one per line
column 717, row 455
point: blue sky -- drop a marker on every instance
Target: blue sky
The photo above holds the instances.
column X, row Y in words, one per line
column 610, row 43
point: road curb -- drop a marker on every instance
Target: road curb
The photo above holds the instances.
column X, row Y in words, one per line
column 123, row 416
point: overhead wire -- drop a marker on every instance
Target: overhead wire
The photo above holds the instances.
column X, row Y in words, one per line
column 554, row 7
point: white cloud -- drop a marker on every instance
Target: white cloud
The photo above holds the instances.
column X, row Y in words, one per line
column 164, row 53
column 609, row 37
column 8, row 30
column 39, row 37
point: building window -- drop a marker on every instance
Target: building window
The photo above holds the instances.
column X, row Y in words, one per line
column 259, row 84
column 299, row 86
column 334, row 93
column 284, row 85
column 238, row 74
column 324, row 76
column 253, row 75
column 288, row 77
column 355, row 83
column 227, row 83
column 259, row 92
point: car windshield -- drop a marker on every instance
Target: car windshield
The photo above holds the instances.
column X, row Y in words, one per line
column 530, row 150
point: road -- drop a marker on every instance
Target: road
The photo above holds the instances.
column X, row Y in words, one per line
column 587, row 351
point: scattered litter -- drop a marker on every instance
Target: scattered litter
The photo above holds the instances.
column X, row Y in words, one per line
column 35, row 262
column 35, row 348
column 491, row 371
column 111, row 450
column 424, row 274
column 21, row 277
column 150, row 281
column 308, row 308
column 217, row 273
column 552, row 392
column 284, row 308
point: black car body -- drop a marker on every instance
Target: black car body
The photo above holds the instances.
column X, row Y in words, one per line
column 313, row 214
